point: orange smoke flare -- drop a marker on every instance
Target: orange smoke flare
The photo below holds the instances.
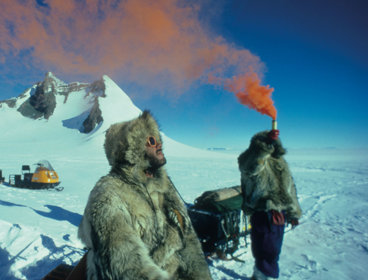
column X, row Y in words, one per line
column 161, row 45
column 249, row 92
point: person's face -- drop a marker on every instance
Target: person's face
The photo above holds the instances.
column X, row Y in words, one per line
column 154, row 153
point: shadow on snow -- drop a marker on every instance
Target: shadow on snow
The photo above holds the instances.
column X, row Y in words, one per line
column 55, row 213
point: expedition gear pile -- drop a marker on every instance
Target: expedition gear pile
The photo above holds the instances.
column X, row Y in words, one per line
column 218, row 220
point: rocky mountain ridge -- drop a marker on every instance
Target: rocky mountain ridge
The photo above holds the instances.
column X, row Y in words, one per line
column 39, row 101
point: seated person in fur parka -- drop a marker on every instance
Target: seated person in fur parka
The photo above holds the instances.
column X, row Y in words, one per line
column 270, row 198
column 135, row 225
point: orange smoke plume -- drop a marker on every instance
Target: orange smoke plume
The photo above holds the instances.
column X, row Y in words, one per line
column 249, row 92
column 158, row 45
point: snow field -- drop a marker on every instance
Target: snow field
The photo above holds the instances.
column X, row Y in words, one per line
column 38, row 228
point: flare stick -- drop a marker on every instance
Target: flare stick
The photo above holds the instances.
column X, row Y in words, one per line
column 274, row 124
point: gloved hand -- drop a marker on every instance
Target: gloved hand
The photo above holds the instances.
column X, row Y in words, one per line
column 294, row 223
column 274, row 134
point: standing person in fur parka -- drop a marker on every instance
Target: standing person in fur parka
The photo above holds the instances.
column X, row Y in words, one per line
column 135, row 225
column 270, row 198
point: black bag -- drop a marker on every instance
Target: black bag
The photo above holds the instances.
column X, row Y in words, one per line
column 218, row 221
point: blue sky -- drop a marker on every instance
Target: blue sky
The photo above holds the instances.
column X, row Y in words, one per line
column 317, row 62
column 314, row 54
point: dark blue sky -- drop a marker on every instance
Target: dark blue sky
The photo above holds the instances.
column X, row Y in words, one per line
column 316, row 59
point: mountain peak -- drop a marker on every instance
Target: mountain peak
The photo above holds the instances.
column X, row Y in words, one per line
column 106, row 78
column 51, row 78
column 82, row 106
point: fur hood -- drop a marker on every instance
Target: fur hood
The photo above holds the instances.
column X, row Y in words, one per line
column 125, row 141
column 261, row 142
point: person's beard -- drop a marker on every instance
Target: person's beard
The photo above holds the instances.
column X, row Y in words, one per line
column 155, row 163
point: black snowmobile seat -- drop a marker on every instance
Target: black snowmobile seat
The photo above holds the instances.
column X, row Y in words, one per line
column 26, row 168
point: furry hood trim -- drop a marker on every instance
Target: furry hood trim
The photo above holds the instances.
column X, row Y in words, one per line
column 261, row 139
column 125, row 142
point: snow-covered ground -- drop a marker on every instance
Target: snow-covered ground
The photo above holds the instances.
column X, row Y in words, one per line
column 38, row 228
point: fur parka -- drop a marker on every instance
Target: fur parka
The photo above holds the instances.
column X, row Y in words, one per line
column 266, row 180
column 135, row 226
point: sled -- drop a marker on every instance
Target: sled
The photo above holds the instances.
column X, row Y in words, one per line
column 218, row 220
column 44, row 177
column 69, row 272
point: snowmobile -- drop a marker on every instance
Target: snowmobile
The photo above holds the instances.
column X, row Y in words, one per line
column 44, row 177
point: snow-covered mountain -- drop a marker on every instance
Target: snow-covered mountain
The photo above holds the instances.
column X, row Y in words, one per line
column 83, row 111
column 78, row 107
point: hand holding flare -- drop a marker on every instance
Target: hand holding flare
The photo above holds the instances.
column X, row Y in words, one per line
column 274, row 133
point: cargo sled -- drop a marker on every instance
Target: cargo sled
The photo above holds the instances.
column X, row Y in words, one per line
column 219, row 222
column 68, row 272
column 44, row 177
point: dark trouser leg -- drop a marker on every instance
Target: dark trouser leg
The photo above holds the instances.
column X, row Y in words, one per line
column 266, row 243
